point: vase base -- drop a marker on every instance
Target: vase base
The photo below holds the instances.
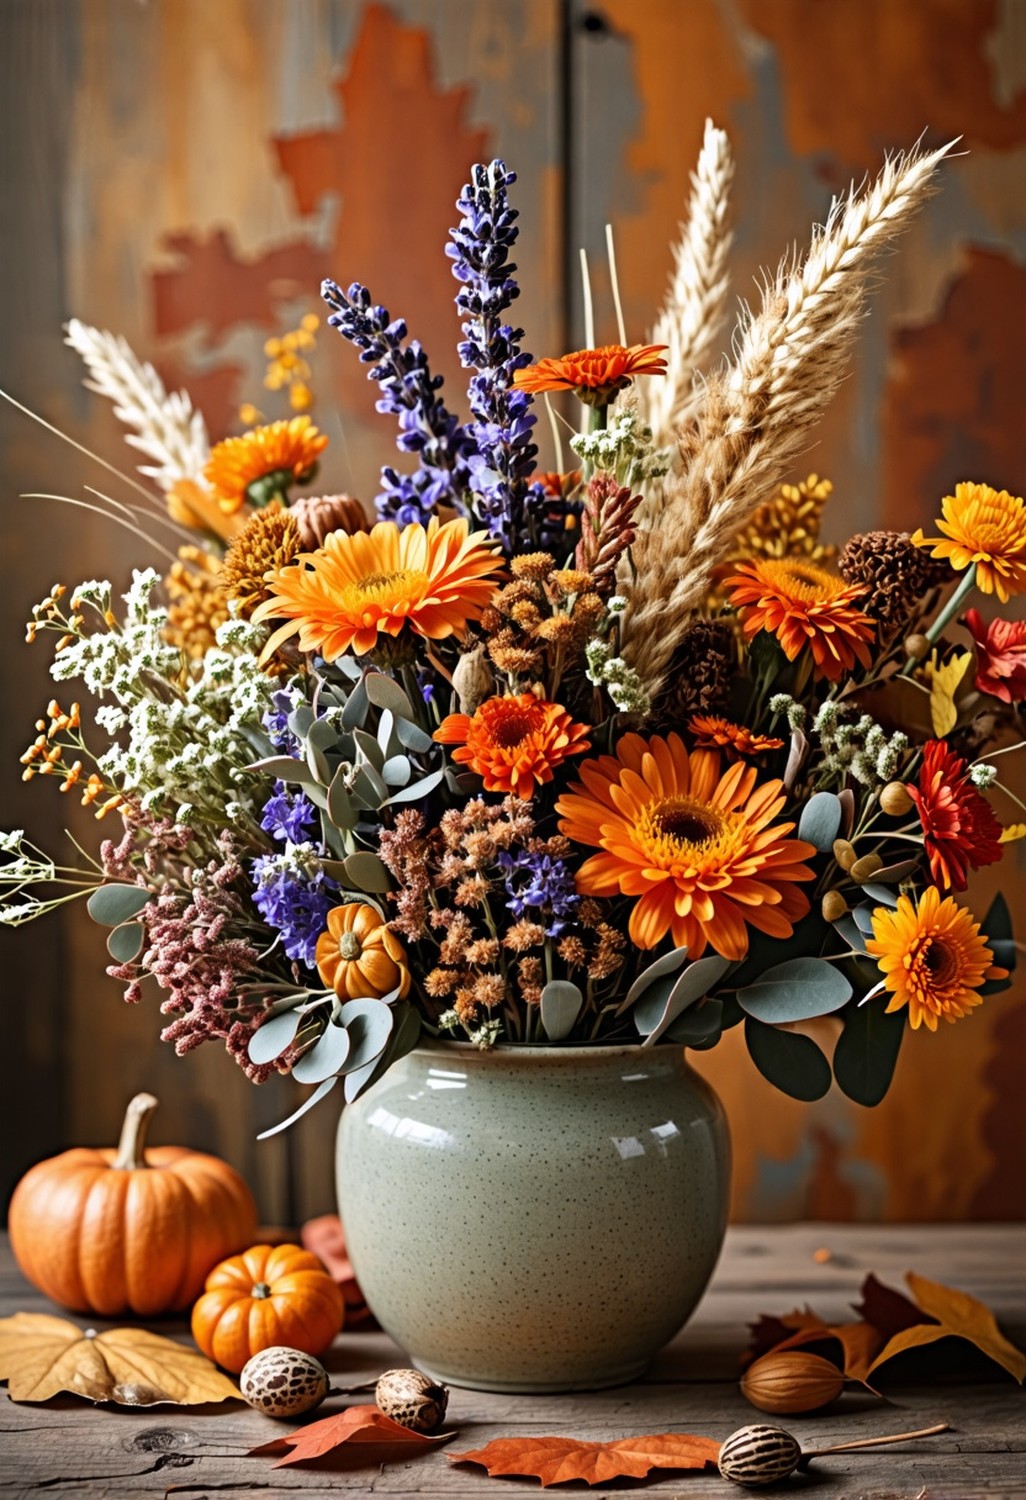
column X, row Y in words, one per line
column 623, row 1375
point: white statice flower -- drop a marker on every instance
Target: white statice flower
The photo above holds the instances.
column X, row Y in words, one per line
column 624, row 448
column 983, row 776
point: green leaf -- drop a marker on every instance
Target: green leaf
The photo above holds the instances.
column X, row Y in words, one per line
column 893, row 874
column 366, row 872
column 820, row 821
column 317, row 762
column 124, row 942
column 851, row 932
column 808, row 940
column 881, row 894
column 270, row 1040
column 340, row 809
column 795, row 991
column 319, row 1093
column 300, row 720
column 355, row 712
column 325, row 1058
column 385, row 692
column 656, row 1010
column 372, row 751
column 700, row 1025
column 113, row 904
column 791, row 1062
column 369, row 1023
column 867, row 1050
column 397, row 771
column 285, row 768
column 669, row 963
column 561, row 1003
column 416, row 789
column 412, row 737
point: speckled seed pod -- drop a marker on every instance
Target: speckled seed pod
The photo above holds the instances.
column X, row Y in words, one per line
column 754, row 1456
column 283, row 1382
column 412, row 1399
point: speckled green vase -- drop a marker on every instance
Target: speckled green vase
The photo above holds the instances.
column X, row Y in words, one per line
column 534, row 1218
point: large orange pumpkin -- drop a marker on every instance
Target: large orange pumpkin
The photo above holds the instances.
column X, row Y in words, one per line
column 358, row 956
column 268, row 1295
column 130, row 1230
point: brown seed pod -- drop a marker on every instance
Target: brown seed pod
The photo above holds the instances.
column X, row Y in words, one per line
column 283, row 1382
column 866, row 867
column 844, row 853
column 834, row 906
column 895, row 800
column 791, row 1381
column 412, row 1399
column 754, row 1456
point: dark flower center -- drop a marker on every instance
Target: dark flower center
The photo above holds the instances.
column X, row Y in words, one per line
column 685, row 825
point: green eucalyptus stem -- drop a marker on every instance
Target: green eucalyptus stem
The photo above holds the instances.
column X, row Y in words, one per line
column 947, row 614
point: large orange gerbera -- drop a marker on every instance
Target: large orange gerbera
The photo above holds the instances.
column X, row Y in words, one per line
column 804, row 606
column 514, row 744
column 932, row 957
column 710, row 732
column 986, row 527
column 354, row 589
column 281, row 453
column 595, row 374
column 699, row 848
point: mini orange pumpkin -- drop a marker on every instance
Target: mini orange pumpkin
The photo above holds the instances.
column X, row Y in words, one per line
column 268, row 1295
column 358, row 957
column 130, row 1230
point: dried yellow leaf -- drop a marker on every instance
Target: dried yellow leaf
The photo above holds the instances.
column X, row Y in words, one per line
column 943, row 682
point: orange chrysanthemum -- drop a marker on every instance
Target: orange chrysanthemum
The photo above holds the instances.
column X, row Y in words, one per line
column 595, row 374
column 932, row 957
column 710, row 732
column 514, row 744
column 357, row 587
column 699, row 848
column 986, row 527
column 283, row 452
column 804, row 606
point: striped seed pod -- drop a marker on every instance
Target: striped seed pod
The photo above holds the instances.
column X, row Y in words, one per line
column 758, row 1455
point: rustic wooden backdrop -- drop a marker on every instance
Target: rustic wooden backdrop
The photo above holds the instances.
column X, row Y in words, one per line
column 185, row 171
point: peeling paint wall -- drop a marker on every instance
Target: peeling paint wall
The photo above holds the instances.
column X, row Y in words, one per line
column 185, row 172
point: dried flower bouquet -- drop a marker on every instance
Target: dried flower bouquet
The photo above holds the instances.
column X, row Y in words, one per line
column 623, row 753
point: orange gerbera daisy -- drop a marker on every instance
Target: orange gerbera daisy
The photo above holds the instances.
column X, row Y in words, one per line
column 514, row 744
column 932, row 957
column 710, row 732
column 804, row 606
column 699, row 848
column 594, row 374
column 269, row 458
column 357, row 587
column 986, row 527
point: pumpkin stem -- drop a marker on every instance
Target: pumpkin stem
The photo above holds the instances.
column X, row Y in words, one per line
column 260, row 1289
column 131, row 1147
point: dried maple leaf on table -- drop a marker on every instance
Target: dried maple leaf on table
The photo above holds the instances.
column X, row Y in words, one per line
column 887, row 1310
column 357, row 1424
column 558, row 1460
column 41, row 1356
column 955, row 1315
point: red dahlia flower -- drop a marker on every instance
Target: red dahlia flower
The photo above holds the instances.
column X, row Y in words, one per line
column 960, row 831
column 1000, row 656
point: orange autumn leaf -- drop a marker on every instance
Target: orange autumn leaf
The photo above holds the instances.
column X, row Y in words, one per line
column 856, row 1343
column 558, row 1460
column 357, row 1424
column 958, row 1315
column 41, row 1356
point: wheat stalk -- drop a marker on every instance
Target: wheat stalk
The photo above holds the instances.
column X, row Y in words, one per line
column 789, row 360
column 696, row 300
column 165, row 427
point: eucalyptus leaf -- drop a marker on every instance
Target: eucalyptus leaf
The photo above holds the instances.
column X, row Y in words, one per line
column 669, row 963
column 405, row 1033
column 285, row 768
column 820, row 820
column 361, row 1078
column 791, row 1062
column 655, row 1011
column 412, row 737
column 851, row 932
column 341, row 809
column 892, row 874
column 317, row 761
column 371, row 749
column 795, row 991
column 369, row 1024
column 271, row 1039
column 325, row 1058
column 354, row 714
column 464, row 783
column 881, row 894
column 397, row 771
column 320, row 1092
column 867, row 1050
column 561, row 1003
column 808, row 940
column 371, row 777
column 699, row 1024
column 322, row 734
column 384, row 692
column 863, row 916
column 417, row 789
column 111, row 905
column 847, row 800
column 300, row 720
column 795, row 756
column 366, row 872
column 124, row 942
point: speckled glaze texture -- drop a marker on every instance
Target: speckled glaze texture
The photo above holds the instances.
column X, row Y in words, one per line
column 534, row 1218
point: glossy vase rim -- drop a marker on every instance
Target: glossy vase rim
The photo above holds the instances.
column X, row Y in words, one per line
column 551, row 1051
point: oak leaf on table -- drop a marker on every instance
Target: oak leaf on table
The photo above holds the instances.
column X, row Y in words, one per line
column 357, row 1424
column 41, row 1356
column 558, row 1460
column 956, row 1315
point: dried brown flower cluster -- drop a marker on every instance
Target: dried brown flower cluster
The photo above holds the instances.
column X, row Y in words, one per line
column 540, row 620
column 196, row 604
column 895, row 572
column 699, row 678
column 270, row 539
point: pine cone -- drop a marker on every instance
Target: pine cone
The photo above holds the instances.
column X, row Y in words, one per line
column 895, row 572
column 319, row 515
column 699, row 674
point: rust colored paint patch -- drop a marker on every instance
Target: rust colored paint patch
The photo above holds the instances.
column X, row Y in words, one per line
column 860, row 76
column 1001, row 1192
column 215, row 287
column 952, row 407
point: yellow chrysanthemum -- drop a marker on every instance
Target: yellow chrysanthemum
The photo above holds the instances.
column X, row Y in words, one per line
column 932, row 957
column 700, row 848
column 357, row 588
column 281, row 453
column 986, row 527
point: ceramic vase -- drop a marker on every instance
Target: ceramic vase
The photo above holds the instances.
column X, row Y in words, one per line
column 534, row 1218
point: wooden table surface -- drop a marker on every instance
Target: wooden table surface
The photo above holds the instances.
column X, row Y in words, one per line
column 70, row 1448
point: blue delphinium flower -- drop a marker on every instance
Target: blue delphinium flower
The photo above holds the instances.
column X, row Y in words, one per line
column 540, row 887
column 288, row 816
column 276, row 722
column 502, row 455
column 293, row 895
column 409, row 391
